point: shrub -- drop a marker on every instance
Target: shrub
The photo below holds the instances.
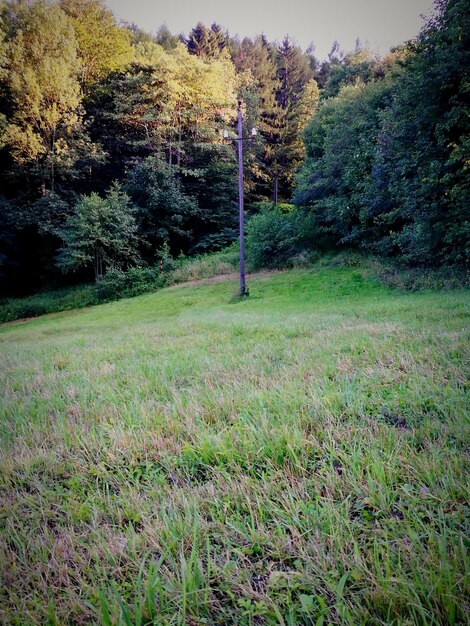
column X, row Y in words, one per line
column 137, row 280
column 196, row 268
column 117, row 284
column 283, row 207
column 398, row 276
column 276, row 238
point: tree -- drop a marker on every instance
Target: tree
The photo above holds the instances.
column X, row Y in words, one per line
column 44, row 91
column 258, row 85
column 294, row 72
column 101, row 232
column 171, row 104
column 213, row 184
column 387, row 161
column 340, row 143
column 206, row 42
column 103, row 46
column 167, row 101
column 165, row 213
column 335, row 58
column 419, row 190
column 165, row 39
column 297, row 96
column 3, row 44
column 354, row 68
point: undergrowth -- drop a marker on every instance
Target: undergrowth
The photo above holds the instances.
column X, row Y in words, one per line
column 117, row 284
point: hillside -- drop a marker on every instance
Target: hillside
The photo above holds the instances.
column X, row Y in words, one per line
column 297, row 457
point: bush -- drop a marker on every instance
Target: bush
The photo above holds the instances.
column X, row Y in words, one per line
column 261, row 207
column 117, row 284
column 398, row 276
column 196, row 268
column 279, row 239
column 137, row 280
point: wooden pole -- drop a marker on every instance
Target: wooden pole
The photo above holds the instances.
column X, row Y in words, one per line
column 241, row 204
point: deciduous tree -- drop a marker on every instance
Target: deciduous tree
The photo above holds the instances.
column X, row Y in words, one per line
column 100, row 233
column 103, row 46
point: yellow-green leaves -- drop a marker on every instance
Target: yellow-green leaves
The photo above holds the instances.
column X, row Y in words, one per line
column 103, row 46
column 42, row 77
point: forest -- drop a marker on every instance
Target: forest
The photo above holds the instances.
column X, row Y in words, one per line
column 112, row 153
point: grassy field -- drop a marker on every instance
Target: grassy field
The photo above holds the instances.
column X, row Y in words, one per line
column 185, row 458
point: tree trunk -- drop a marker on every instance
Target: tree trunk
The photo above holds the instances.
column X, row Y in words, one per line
column 179, row 141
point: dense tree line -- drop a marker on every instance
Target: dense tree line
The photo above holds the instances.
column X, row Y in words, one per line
column 111, row 149
column 388, row 153
column 88, row 106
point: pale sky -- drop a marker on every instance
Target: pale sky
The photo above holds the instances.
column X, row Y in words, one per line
column 381, row 23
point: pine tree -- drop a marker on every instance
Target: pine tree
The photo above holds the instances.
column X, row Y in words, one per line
column 297, row 102
column 206, row 42
column 254, row 58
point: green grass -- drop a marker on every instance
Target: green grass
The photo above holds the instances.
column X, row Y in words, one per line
column 115, row 285
column 183, row 458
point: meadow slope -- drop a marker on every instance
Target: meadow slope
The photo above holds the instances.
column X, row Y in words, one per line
column 298, row 457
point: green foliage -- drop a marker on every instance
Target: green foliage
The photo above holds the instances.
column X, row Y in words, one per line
column 100, row 233
column 163, row 37
column 278, row 87
column 206, row 42
column 116, row 283
column 44, row 117
column 297, row 96
column 355, row 68
column 164, row 211
column 276, row 238
column 85, row 101
column 212, row 182
column 255, row 60
column 103, row 46
column 385, row 168
column 169, row 100
column 283, row 207
column 216, row 241
column 340, row 143
column 47, row 302
column 207, row 265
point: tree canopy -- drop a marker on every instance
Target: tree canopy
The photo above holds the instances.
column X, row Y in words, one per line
column 386, row 167
column 374, row 151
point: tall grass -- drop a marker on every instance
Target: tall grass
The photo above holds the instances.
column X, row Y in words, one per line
column 299, row 457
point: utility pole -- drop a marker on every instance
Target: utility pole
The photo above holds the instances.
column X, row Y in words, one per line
column 241, row 202
column 241, row 139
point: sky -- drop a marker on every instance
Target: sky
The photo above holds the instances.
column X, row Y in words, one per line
column 380, row 23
